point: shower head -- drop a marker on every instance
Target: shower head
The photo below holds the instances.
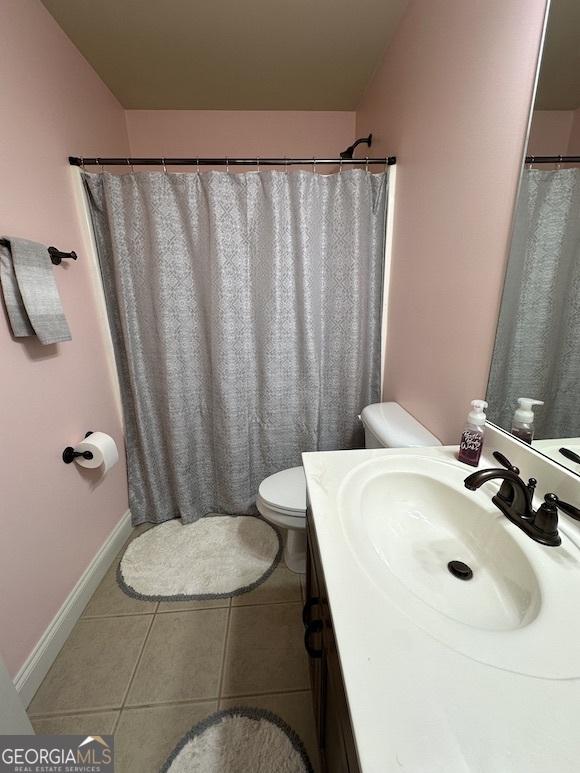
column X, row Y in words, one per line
column 350, row 150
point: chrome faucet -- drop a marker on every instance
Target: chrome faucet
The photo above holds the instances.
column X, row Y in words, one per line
column 514, row 499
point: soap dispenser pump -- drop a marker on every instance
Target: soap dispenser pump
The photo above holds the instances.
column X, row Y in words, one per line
column 471, row 444
column 523, row 421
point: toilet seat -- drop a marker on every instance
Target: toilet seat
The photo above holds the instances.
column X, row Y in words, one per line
column 285, row 519
column 285, row 492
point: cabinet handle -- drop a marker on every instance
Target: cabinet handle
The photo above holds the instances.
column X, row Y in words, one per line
column 312, row 602
column 314, row 626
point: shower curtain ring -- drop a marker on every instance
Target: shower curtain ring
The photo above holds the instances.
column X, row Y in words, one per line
column 313, row 165
column 99, row 166
column 286, row 164
column 559, row 164
column 227, row 166
column 367, row 164
column 131, row 165
column 340, row 167
column 164, row 167
column 197, row 164
column 258, row 163
column 83, row 164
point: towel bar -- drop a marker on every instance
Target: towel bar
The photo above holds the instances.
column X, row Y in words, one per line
column 56, row 255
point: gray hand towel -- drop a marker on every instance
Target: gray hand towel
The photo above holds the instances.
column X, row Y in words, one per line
column 30, row 292
column 12, row 298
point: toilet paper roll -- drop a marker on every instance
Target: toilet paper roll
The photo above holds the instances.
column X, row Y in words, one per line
column 103, row 449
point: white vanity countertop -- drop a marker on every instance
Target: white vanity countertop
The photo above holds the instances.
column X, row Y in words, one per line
column 415, row 704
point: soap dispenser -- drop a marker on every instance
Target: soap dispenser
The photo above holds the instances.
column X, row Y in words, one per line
column 472, row 438
column 523, row 421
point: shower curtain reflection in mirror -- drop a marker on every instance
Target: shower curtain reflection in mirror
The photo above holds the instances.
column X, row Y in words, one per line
column 537, row 347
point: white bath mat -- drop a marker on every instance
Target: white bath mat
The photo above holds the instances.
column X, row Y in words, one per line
column 240, row 740
column 217, row 556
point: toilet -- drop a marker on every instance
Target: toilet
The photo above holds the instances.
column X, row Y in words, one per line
column 282, row 496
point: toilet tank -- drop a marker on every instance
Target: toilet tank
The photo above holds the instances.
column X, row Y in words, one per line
column 387, row 425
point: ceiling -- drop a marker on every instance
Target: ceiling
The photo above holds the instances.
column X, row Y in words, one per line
column 232, row 55
column 559, row 84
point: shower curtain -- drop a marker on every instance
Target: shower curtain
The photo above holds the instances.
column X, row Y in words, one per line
column 537, row 348
column 245, row 311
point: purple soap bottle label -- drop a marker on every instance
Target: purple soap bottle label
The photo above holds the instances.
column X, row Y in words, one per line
column 470, row 447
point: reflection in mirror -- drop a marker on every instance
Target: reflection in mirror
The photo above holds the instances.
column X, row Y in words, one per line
column 537, row 347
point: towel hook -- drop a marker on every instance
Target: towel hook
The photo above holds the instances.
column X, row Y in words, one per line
column 57, row 256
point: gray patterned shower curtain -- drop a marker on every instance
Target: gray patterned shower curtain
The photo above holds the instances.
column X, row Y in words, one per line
column 245, row 311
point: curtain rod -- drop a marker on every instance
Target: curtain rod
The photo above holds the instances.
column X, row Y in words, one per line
column 552, row 159
column 79, row 161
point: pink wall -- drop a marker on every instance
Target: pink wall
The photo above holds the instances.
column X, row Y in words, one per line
column 574, row 140
column 550, row 132
column 554, row 132
column 451, row 100
column 239, row 132
column 53, row 519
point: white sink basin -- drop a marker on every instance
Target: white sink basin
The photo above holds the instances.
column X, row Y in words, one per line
column 406, row 517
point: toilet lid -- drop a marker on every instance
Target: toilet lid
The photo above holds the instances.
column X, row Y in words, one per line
column 285, row 490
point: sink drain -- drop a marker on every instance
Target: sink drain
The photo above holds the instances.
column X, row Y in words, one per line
column 460, row 570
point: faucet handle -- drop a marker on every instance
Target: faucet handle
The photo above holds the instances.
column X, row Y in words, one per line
column 570, row 510
column 532, row 483
column 571, row 455
column 505, row 462
column 546, row 518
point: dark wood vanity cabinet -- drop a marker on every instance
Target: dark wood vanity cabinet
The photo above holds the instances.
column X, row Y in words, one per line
column 335, row 737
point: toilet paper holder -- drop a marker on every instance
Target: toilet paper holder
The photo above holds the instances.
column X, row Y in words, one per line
column 69, row 454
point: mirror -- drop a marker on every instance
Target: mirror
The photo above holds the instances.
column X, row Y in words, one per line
column 537, row 347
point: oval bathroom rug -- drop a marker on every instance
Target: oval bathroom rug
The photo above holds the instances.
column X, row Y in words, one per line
column 217, row 556
column 240, row 740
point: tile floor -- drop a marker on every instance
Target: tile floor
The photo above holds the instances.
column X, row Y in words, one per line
column 149, row 671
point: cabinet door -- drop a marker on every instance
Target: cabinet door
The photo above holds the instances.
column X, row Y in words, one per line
column 335, row 736
column 313, row 639
column 333, row 751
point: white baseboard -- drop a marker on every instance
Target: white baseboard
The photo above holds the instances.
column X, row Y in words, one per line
column 30, row 676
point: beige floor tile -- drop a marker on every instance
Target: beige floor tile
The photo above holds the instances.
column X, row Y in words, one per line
column 265, row 650
column 99, row 723
column 182, row 658
column 295, row 708
column 109, row 599
column 180, row 606
column 282, row 585
column 94, row 668
column 145, row 737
